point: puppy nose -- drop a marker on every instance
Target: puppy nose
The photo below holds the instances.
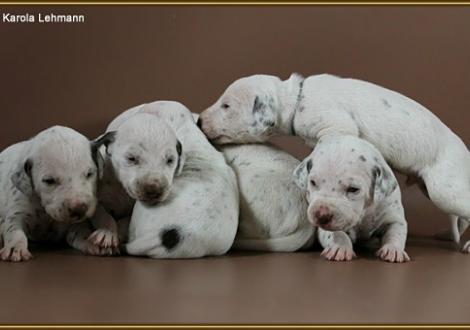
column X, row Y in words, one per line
column 152, row 190
column 199, row 122
column 78, row 210
column 323, row 215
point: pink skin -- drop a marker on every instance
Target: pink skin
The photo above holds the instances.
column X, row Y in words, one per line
column 391, row 253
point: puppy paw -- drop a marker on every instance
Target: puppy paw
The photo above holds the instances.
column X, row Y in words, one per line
column 391, row 253
column 95, row 250
column 466, row 247
column 104, row 238
column 17, row 252
column 338, row 253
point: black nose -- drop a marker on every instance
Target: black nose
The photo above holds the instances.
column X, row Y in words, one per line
column 323, row 218
column 77, row 211
column 152, row 191
column 199, row 122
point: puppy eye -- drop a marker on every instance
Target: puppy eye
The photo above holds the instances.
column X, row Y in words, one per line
column 352, row 190
column 170, row 161
column 89, row 174
column 49, row 181
column 225, row 106
column 132, row 159
column 313, row 183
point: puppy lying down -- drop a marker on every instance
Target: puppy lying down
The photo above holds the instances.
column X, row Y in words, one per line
column 273, row 210
column 200, row 215
column 353, row 196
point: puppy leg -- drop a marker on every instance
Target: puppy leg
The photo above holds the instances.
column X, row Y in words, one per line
column 451, row 193
column 15, row 246
column 77, row 237
column 106, row 231
column 393, row 243
column 337, row 245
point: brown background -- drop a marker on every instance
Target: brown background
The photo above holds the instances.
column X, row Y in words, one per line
column 82, row 75
column 85, row 74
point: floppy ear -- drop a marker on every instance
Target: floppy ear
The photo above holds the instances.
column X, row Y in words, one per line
column 383, row 183
column 105, row 139
column 301, row 173
column 181, row 158
column 22, row 177
column 264, row 113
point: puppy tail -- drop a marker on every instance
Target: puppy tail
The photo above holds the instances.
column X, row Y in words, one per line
column 302, row 238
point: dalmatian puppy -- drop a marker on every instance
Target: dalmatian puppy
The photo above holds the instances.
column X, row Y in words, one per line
column 142, row 156
column 353, row 197
column 411, row 138
column 200, row 215
column 48, row 183
column 273, row 210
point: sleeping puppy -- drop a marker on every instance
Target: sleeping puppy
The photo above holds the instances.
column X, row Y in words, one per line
column 200, row 215
column 48, row 183
column 142, row 156
column 273, row 210
column 353, row 197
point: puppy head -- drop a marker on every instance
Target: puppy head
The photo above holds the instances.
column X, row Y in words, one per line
column 246, row 112
column 343, row 177
column 60, row 167
column 146, row 156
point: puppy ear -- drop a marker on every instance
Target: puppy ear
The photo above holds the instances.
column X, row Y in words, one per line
column 383, row 183
column 301, row 173
column 22, row 178
column 264, row 113
column 105, row 139
column 181, row 158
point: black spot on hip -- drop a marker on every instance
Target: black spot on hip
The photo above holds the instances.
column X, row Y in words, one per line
column 170, row 238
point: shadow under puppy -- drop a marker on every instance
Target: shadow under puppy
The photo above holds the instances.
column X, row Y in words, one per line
column 273, row 210
column 353, row 197
column 200, row 216
column 48, row 183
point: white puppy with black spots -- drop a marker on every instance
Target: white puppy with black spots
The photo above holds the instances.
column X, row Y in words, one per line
column 411, row 138
column 47, row 184
column 199, row 216
column 353, row 197
column 273, row 210
column 142, row 156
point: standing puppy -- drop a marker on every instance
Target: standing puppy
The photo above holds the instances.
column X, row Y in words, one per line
column 200, row 215
column 412, row 139
column 273, row 210
column 47, row 183
column 142, row 156
column 353, row 196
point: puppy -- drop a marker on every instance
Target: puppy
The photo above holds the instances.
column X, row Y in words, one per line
column 47, row 183
column 142, row 156
column 200, row 215
column 273, row 210
column 353, row 196
column 412, row 139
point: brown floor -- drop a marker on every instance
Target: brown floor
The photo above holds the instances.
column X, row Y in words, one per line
column 64, row 287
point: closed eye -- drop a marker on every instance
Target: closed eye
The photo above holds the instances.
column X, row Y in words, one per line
column 225, row 106
column 170, row 161
column 131, row 159
column 313, row 183
column 352, row 190
column 50, row 181
column 89, row 174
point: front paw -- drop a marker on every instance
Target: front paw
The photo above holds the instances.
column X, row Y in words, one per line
column 16, row 252
column 104, row 238
column 466, row 247
column 95, row 250
column 338, row 253
column 391, row 253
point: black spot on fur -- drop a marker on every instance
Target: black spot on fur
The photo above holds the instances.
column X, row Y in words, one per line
column 170, row 238
column 352, row 150
column 361, row 157
column 309, row 165
column 258, row 105
column 385, row 102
